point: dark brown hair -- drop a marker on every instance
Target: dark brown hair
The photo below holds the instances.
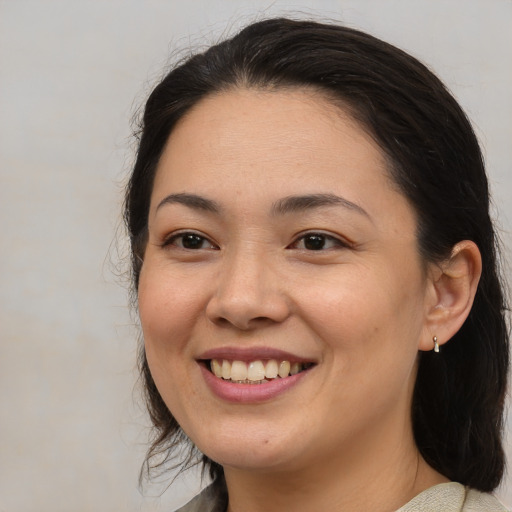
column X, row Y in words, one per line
column 435, row 160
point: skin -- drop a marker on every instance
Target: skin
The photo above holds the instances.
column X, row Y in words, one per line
column 360, row 308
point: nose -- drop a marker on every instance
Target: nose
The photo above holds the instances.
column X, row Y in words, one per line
column 248, row 294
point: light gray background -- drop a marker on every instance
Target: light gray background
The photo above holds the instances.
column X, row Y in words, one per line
column 71, row 74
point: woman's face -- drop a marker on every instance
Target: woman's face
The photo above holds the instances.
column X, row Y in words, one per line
column 277, row 244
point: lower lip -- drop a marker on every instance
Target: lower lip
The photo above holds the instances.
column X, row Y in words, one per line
column 250, row 393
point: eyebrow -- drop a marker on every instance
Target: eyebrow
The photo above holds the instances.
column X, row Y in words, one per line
column 293, row 204
column 192, row 201
column 290, row 204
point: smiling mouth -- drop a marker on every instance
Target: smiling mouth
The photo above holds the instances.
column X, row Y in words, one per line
column 255, row 372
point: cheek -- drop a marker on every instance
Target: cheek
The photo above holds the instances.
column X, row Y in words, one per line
column 348, row 302
column 364, row 312
column 168, row 315
column 369, row 327
column 168, row 311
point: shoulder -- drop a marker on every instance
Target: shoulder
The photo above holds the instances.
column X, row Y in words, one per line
column 479, row 501
column 207, row 501
column 453, row 497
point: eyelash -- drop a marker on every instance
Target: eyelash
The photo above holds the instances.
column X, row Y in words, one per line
column 171, row 240
column 337, row 242
column 323, row 238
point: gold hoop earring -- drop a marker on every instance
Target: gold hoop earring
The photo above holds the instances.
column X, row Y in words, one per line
column 436, row 345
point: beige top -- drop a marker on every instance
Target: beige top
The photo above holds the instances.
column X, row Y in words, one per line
column 451, row 497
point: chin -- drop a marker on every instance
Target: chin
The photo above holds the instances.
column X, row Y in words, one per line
column 250, row 459
column 251, row 448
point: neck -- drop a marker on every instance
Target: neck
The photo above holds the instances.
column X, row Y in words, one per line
column 382, row 476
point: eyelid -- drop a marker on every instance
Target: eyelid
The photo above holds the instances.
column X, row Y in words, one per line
column 341, row 241
column 169, row 239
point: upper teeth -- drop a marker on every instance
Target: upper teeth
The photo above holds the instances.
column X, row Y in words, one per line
column 254, row 370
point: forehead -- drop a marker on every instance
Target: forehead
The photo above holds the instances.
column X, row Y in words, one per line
column 287, row 134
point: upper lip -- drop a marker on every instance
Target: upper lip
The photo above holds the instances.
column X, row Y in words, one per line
column 253, row 354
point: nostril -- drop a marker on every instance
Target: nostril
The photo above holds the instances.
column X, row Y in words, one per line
column 241, row 323
column 248, row 310
column 222, row 321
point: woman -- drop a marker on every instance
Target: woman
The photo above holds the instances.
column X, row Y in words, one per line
column 317, row 280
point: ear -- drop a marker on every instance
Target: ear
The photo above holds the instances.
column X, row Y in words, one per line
column 451, row 290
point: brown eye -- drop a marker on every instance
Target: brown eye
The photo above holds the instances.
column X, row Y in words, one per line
column 192, row 241
column 317, row 242
column 314, row 242
column 189, row 241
